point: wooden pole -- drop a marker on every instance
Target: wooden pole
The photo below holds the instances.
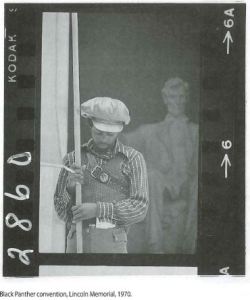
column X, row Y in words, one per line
column 77, row 135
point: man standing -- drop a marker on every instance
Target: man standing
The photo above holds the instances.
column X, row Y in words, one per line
column 113, row 178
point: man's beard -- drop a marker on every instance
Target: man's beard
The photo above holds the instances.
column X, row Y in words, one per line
column 102, row 148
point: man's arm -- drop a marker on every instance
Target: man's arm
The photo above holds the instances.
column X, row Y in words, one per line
column 62, row 198
column 133, row 209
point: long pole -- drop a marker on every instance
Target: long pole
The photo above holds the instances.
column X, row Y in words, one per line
column 77, row 136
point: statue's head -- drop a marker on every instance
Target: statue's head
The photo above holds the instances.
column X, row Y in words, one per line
column 175, row 95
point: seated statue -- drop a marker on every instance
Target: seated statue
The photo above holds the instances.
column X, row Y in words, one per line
column 170, row 149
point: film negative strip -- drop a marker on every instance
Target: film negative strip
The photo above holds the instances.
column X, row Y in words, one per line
column 193, row 146
column 21, row 153
column 222, row 213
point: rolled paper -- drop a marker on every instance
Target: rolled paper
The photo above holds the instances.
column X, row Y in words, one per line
column 57, row 166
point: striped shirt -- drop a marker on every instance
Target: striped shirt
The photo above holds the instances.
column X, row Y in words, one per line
column 124, row 212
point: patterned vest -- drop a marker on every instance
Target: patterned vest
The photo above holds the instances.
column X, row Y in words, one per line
column 117, row 186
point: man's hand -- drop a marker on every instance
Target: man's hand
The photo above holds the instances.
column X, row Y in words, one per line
column 84, row 211
column 74, row 178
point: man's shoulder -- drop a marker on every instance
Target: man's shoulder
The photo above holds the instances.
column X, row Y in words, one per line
column 130, row 152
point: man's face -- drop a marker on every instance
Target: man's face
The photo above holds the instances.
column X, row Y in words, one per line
column 175, row 101
column 102, row 139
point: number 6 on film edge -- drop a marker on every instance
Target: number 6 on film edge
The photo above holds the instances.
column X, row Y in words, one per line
column 21, row 196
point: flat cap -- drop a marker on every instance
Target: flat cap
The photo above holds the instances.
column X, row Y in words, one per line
column 107, row 114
